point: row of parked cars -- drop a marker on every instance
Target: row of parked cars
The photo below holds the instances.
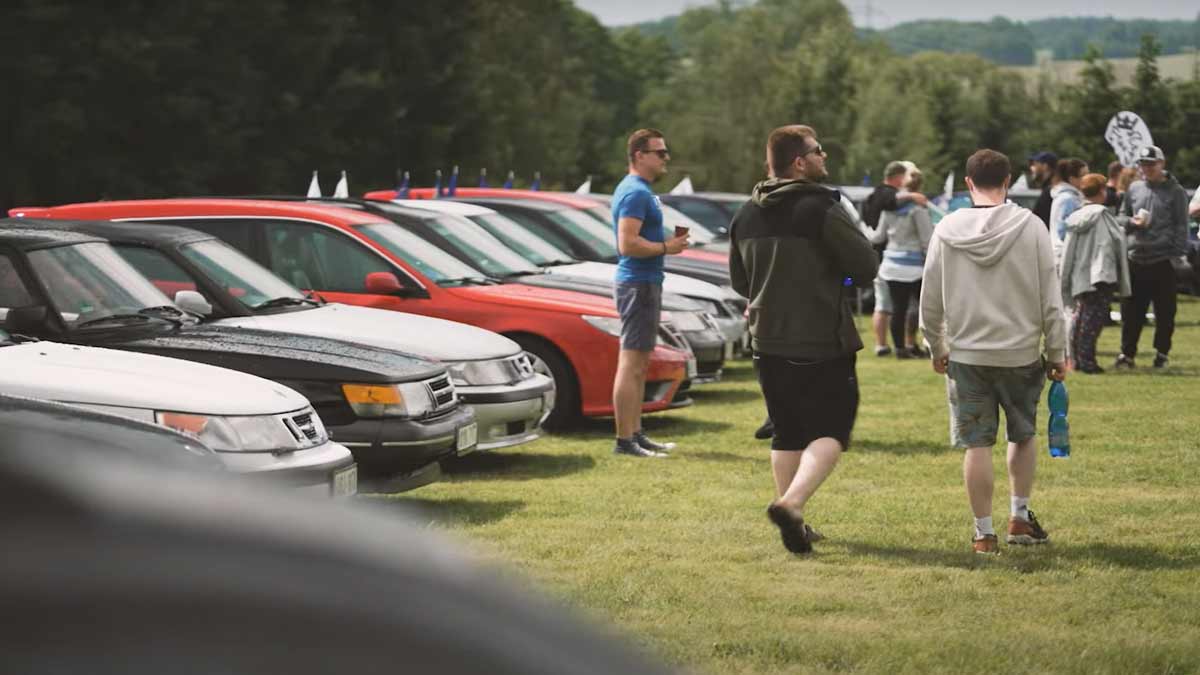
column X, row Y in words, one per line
column 317, row 342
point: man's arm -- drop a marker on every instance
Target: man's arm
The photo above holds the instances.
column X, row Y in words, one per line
column 1125, row 213
column 906, row 196
column 1054, row 327
column 924, row 227
column 737, row 267
column 853, row 254
column 631, row 243
column 933, row 310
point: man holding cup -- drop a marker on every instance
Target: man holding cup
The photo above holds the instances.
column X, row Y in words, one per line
column 1154, row 213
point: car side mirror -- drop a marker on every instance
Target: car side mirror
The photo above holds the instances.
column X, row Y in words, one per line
column 193, row 302
column 29, row 320
column 383, row 283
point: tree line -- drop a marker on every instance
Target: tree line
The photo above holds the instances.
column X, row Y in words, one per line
column 140, row 99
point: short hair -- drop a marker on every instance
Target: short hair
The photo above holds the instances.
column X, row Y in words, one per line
column 988, row 169
column 1071, row 167
column 785, row 144
column 915, row 178
column 639, row 141
column 895, row 168
column 1114, row 169
column 1093, row 184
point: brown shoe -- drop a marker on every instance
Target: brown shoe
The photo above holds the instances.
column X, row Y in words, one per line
column 988, row 544
column 1026, row 532
column 792, row 530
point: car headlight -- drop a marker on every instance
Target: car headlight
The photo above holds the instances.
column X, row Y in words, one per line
column 250, row 433
column 408, row 399
column 612, row 326
column 686, row 321
column 492, row 372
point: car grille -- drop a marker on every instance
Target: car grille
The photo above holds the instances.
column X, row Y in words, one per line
column 441, row 389
column 306, row 427
column 672, row 337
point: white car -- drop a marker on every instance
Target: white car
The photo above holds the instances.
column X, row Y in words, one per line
column 256, row 426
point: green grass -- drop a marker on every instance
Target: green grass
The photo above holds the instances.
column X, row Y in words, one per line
column 678, row 552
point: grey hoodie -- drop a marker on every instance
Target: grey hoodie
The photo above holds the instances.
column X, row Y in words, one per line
column 1166, row 237
column 1094, row 254
column 990, row 292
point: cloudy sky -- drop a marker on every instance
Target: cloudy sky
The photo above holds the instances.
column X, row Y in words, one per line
column 889, row 12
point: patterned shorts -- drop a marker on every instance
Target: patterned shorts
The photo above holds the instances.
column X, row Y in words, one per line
column 976, row 394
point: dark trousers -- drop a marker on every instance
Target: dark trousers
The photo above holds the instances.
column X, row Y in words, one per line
column 1151, row 284
column 903, row 292
column 1091, row 310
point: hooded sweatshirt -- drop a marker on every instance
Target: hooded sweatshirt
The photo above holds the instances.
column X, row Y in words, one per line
column 1094, row 254
column 1166, row 237
column 1066, row 198
column 990, row 292
column 793, row 250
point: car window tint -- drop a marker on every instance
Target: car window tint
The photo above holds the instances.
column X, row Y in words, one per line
column 706, row 214
column 538, row 227
column 238, row 232
column 13, row 292
column 315, row 258
column 166, row 276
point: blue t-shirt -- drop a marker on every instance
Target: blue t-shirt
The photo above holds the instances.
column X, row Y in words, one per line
column 633, row 198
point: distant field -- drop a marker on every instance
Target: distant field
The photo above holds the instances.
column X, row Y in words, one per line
column 677, row 553
column 1176, row 66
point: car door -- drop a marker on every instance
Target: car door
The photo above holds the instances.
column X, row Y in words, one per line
column 14, row 292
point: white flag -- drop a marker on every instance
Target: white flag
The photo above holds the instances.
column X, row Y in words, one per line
column 342, row 191
column 948, row 188
column 1021, row 184
column 1127, row 133
column 314, row 188
column 684, row 187
column 585, row 187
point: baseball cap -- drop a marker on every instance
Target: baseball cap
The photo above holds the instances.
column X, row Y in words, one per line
column 1150, row 153
column 1045, row 157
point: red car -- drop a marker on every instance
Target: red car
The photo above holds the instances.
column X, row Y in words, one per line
column 362, row 259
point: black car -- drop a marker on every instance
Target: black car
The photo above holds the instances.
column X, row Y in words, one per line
column 586, row 237
column 398, row 414
column 50, row 432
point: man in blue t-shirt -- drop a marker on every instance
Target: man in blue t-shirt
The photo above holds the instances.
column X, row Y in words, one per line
column 642, row 244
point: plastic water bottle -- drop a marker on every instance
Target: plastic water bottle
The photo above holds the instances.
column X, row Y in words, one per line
column 1060, row 431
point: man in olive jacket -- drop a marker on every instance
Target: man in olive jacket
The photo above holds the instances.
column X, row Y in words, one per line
column 796, row 253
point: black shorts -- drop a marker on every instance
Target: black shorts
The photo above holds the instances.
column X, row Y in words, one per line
column 809, row 400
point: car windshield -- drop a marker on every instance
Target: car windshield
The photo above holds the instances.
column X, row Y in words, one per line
column 245, row 280
column 673, row 217
column 91, row 281
column 528, row 245
column 441, row 267
column 595, row 235
column 487, row 252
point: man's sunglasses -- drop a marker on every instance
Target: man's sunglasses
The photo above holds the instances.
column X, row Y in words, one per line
column 817, row 149
column 662, row 154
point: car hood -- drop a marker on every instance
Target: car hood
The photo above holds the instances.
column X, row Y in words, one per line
column 400, row 331
column 672, row 283
column 602, row 288
column 108, row 377
column 521, row 296
column 286, row 356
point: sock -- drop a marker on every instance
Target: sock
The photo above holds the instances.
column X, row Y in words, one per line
column 983, row 526
column 1020, row 508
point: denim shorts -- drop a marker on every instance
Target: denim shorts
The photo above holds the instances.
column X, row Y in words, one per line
column 976, row 393
column 883, row 297
column 640, row 306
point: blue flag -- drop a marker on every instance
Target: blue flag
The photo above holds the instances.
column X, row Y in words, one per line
column 483, row 178
column 453, row 182
column 537, row 181
column 508, row 182
column 867, row 179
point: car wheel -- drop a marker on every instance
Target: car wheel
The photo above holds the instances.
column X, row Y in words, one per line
column 549, row 361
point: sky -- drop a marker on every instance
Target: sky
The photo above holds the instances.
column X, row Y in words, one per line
column 885, row 13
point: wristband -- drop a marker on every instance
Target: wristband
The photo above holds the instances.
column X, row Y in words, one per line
column 664, row 247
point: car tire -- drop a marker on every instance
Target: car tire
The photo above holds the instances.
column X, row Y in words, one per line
column 547, row 359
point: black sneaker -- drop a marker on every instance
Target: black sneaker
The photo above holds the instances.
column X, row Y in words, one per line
column 634, row 450
column 883, row 351
column 766, row 431
column 793, row 530
column 1123, row 362
column 917, row 352
column 1160, row 360
column 644, row 442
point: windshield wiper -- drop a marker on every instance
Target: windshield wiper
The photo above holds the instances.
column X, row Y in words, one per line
column 557, row 263
column 166, row 313
column 115, row 317
column 284, row 301
column 520, row 273
column 467, row 281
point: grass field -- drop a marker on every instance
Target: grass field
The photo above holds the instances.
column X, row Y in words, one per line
column 678, row 554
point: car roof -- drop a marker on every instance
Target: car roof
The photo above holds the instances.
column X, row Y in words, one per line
column 529, row 204
column 203, row 207
column 566, row 199
column 126, row 231
column 17, row 233
column 720, row 196
column 445, row 206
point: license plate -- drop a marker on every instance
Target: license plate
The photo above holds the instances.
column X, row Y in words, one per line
column 468, row 436
column 691, row 368
column 728, row 351
column 345, row 482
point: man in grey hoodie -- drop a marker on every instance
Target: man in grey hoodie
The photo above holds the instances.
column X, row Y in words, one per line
column 1155, row 214
column 989, row 296
column 795, row 252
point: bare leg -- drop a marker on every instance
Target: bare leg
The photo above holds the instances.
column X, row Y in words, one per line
column 879, row 323
column 816, row 463
column 911, row 324
column 980, row 480
column 1022, row 461
column 784, row 464
column 629, row 388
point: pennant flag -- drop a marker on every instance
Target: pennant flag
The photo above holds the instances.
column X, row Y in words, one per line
column 314, row 187
column 437, row 185
column 684, row 187
column 1021, row 184
column 1127, row 134
column 483, row 178
column 342, row 191
column 508, row 183
column 537, row 181
column 402, row 189
column 585, row 187
column 867, row 179
column 948, row 188
column 453, row 182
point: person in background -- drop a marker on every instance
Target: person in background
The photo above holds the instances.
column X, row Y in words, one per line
column 989, row 296
column 1113, row 196
column 1043, row 168
column 1094, row 265
column 887, row 196
column 1128, row 175
column 1154, row 213
column 906, row 232
column 1065, row 198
